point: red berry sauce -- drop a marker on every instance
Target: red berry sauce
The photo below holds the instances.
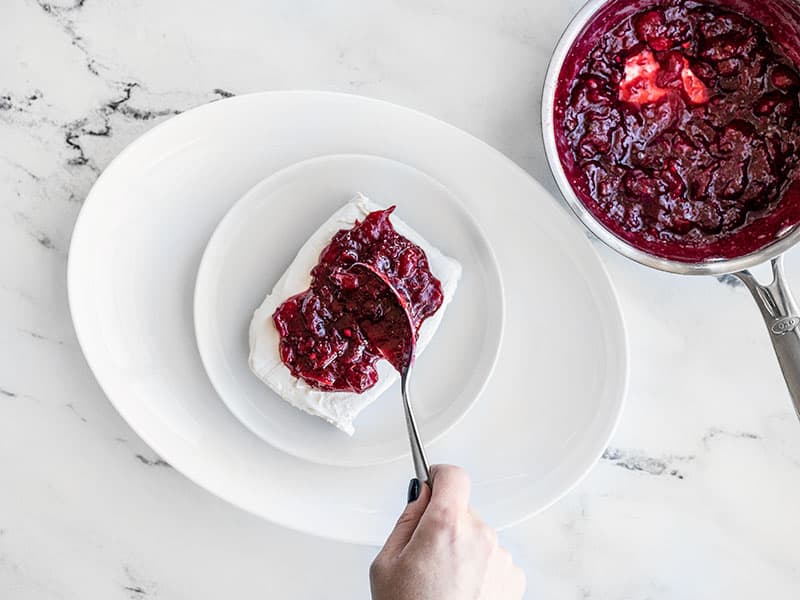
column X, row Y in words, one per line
column 369, row 282
column 681, row 132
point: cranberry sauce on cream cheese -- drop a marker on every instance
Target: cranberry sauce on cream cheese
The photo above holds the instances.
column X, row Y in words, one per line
column 681, row 132
column 368, row 283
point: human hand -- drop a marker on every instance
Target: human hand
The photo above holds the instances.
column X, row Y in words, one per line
column 441, row 550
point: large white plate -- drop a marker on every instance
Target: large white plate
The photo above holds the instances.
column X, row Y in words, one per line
column 546, row 414
column 254, row 244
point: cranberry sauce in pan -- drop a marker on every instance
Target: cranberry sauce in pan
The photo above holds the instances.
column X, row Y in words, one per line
column 681, row 132
column 332, row 334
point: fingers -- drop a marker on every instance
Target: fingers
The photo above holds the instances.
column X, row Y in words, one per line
column 408, row 521
column 451, row 489
column 510, row 578
column 449, row 499
column 448, row 506
column 513, row 579
column 517, row 582
column 504, row 579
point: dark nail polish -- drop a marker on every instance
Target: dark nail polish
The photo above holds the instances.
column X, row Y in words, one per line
column 413, row 490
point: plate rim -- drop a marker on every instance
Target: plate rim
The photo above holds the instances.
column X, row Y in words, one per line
column 204, row 266
column 615, row 317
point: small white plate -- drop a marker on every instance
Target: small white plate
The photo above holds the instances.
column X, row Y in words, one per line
column 545, row 415
column 254, row 244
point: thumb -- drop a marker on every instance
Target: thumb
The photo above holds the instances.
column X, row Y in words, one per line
column 409, row 519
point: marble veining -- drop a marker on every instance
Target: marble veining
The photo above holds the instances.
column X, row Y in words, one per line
column 136, row 587
column 152, row 462
column 696, row 497
column 647, row 464
column 729, row 279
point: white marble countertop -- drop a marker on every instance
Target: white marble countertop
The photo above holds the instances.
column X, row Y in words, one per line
column 697, row 497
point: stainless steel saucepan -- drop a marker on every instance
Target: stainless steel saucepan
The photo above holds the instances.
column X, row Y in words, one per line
column 778, row 307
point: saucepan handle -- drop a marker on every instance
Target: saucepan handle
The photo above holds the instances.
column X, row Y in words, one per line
column 781, row 315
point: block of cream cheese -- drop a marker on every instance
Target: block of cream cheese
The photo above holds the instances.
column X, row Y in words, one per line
column 338, row 408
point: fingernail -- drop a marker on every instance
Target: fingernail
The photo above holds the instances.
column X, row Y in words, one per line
column 413, row 490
